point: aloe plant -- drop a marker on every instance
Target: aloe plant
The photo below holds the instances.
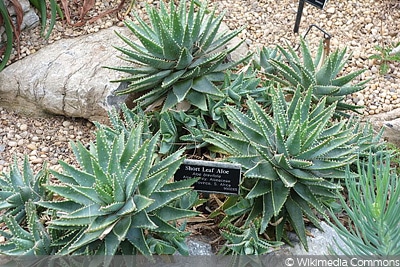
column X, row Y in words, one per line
column 246, row 241
column 122, row 121
column 262, row 59
column 181, row 56
column 122, row 198
column 293, row 159
column 18, row 188
column 323, row 75
column 237, row 88
column 33, row 241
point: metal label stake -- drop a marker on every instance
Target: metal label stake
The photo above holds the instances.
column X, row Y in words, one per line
column 298, row 16
column 317, row 3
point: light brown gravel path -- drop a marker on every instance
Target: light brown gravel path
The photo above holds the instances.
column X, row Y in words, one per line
column 41, row 139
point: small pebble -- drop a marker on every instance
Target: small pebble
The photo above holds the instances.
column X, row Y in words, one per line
column 23, row 127
column 12, row 144
column 32, row 146
column 37, row 160
column 331, row 10
column 361, row 103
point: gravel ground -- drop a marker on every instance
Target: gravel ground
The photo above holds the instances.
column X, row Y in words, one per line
column 358, row 25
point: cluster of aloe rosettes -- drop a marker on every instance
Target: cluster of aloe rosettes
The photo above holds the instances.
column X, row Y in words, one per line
column 283, row 119
column 120, row 200
column 294, row 159
column 181, row 56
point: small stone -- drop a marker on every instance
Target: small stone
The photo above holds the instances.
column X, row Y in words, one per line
column 66, row 123
column 12, row 144
column 31, row 147
column 62, row 139
column 35, row 139
column 386, row 108
column 361, row 103
column 369, row 26
column 23, row 127
column 108, row 24
column 37, row 160
column 331, row 10
column 374, row 69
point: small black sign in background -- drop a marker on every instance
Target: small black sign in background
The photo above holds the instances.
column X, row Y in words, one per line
column 215, row 177
column 318, row 3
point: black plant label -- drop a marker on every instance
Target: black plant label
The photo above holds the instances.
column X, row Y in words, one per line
column 215, row 177
column 317, row 3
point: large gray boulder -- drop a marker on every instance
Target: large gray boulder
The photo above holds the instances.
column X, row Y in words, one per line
column 65, row 78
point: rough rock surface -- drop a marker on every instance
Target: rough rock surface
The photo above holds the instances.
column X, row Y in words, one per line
column 319, row 243
column 64, row 78
column 390, row 121
column 198, row 248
